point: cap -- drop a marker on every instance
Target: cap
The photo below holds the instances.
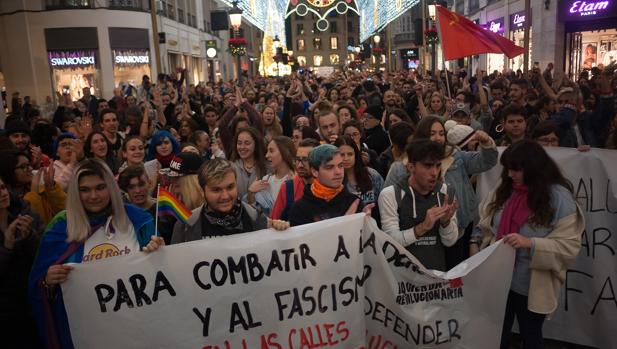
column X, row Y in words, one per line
column 460, row 135
column 183, row 164
column 461, row 107
column 374, row 111
column 61, row 137
column 16, row 126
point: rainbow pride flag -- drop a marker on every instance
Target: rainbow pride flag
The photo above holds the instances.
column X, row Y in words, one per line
column 169, row 205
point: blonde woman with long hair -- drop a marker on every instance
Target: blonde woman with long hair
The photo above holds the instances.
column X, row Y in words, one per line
column 96, row 225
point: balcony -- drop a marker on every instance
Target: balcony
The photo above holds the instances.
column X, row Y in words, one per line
column 127, row 4
column 68, row 4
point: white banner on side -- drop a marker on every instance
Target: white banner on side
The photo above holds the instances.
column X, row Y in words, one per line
column 587, row 311
column 340, row 283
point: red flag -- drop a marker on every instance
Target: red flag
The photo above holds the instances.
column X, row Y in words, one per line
column 461, row 37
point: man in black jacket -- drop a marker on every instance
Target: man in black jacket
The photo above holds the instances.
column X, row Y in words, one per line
column 326, row 197
column 375, row 137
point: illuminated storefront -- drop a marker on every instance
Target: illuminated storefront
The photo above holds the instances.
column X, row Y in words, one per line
column 591, row 34
column 495, row 61
column 518, row 21
column 73, row 58
column 130, row 54
column 72, row 71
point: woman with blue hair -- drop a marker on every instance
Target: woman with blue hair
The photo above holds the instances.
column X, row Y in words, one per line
column 163, row 147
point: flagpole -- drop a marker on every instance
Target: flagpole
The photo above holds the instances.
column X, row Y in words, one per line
column 443, row 57
column 156, row 216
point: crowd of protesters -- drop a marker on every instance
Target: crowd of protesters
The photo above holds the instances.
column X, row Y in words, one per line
column 402, row 147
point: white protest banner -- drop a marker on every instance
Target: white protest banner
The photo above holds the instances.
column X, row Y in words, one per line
column 587, row 311
column 340, row 283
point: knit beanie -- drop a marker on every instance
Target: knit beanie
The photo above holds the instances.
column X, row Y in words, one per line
column 459, row 135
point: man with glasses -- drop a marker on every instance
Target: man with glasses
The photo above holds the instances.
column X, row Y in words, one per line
column 292, row 190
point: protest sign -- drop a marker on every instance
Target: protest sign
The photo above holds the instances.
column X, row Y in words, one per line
column 587, row 311
column 340, row 283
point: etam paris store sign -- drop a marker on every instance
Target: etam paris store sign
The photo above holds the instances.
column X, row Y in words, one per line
column 582, row 10
column 64, row 59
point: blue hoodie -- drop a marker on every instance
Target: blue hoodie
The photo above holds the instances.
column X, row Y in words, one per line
column 50, row 316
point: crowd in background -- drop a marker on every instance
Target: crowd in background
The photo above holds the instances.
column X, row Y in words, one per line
column 273, row 152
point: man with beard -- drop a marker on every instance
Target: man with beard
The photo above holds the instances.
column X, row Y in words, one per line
column 292, row 190
column 109, row 126
column 18, row 133
column 417, row 213
column 326, row 197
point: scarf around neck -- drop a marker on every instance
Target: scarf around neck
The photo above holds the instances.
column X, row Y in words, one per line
column 165, row 160
column 320, row 191
column 516, row 213
column 231, row 221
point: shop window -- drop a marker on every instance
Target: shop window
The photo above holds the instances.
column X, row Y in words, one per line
column 334, row 59
column 300, row 45
column 68, row 3
column 334, row 43
column 130, row 66
column 317, row 43
column 74, row 71
column 301, row 61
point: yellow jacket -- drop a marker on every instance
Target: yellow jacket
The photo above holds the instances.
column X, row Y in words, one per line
column 47, row 203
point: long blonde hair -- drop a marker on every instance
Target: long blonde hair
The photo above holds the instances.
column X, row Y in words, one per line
column 192, row 193
column 77, row 222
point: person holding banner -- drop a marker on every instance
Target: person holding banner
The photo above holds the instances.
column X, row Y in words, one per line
column 326, row 197
column 222, row 213
column 533, row 209
column 417, row 211
column 115, row 229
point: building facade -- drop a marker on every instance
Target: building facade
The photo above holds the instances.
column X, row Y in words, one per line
column 328, row 50
column 49, row 46
column 572, row 34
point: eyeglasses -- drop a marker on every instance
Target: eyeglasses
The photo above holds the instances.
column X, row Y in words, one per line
column 24, row 167
column 303, row 160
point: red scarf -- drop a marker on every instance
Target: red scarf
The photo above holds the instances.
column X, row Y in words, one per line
column 516, row 212
column 164, row 160
column 320, row 191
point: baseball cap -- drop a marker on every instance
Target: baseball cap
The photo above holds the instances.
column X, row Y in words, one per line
column 461, row 107
column 183, row 164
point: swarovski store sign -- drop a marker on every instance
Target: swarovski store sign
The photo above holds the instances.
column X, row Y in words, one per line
column 71, row 58
column 124, row 59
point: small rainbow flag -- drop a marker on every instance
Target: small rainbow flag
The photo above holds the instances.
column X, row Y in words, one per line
column 169, row 205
